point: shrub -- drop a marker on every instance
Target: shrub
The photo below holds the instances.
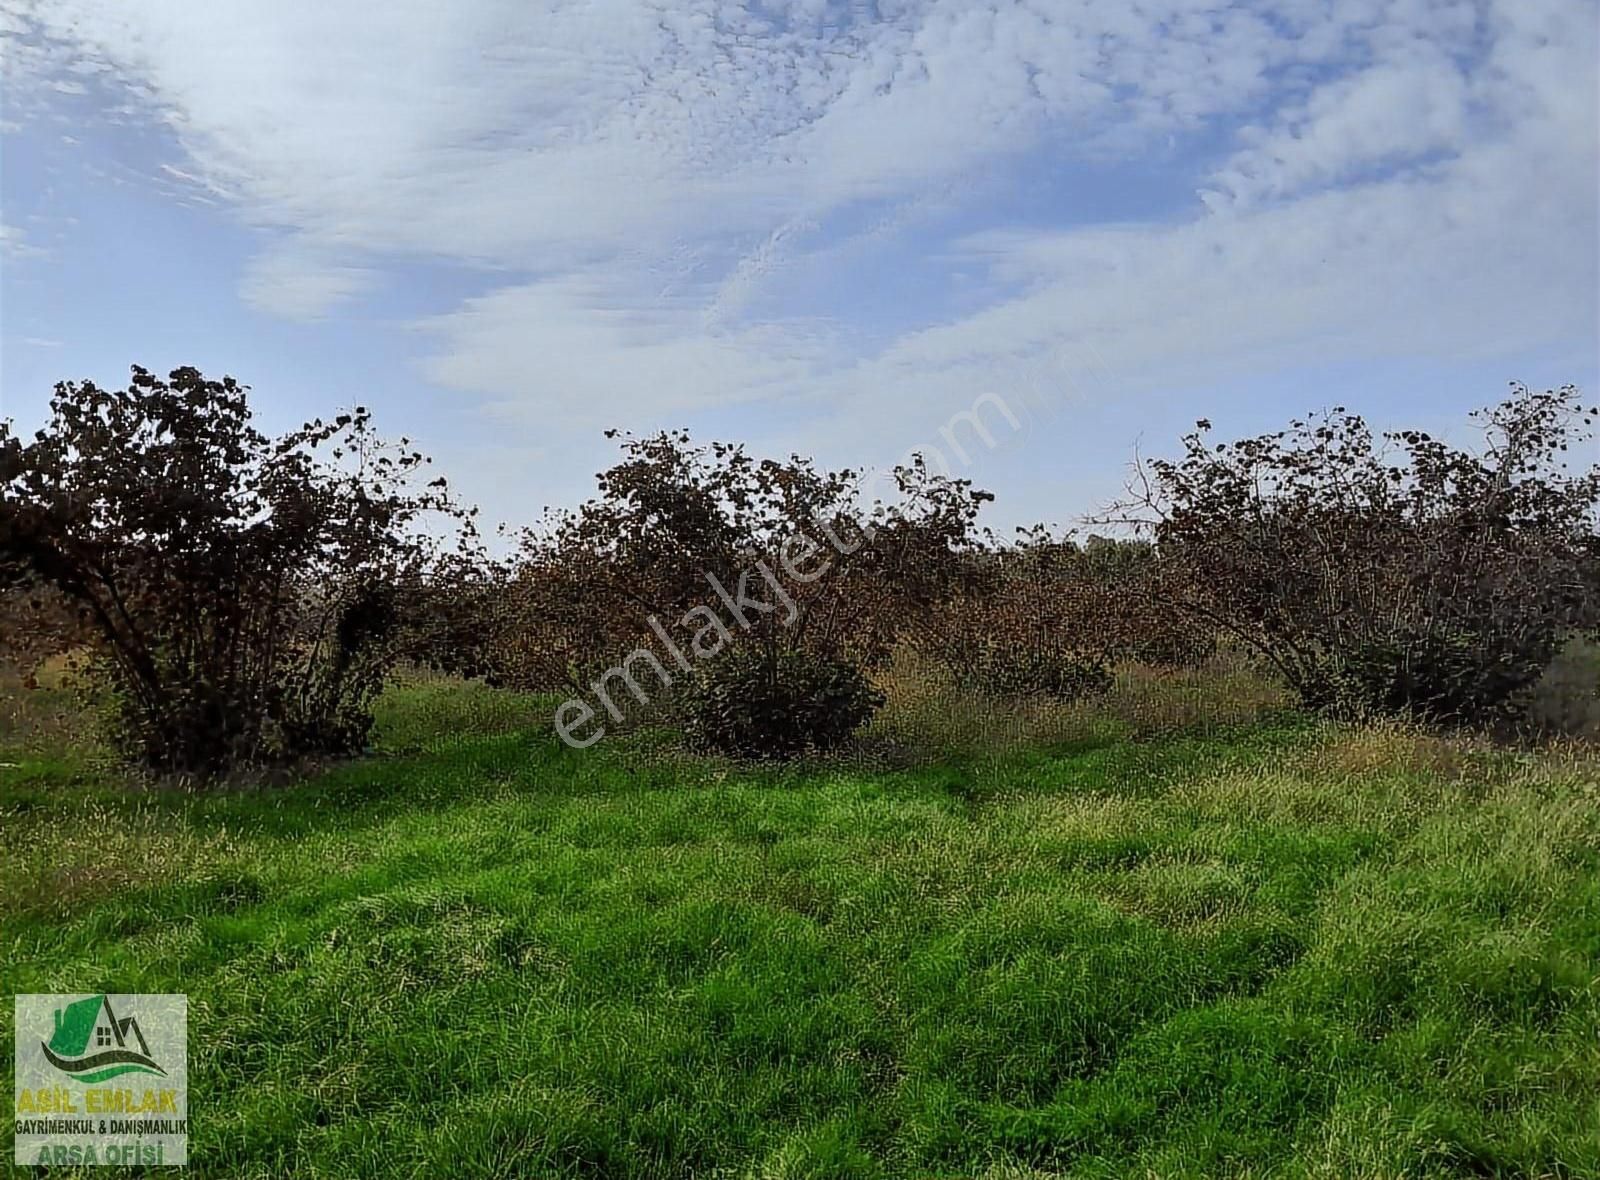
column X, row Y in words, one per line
column 1121, row 575
column 751, row 702
column 1029, row 619
column 243, row 597
column 1057, row 674
column 1408, row 578
column 1566, row 700
column 662, row 552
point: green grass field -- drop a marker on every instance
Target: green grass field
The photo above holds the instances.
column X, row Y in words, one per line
column 1259, row 947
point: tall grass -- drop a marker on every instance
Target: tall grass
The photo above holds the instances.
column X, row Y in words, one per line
column 929, row 715
column 1228, row 948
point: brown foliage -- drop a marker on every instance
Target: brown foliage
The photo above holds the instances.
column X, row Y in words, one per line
column 720, row 549
column 1046, row 616
column 36, row 624
column 243, row 596
column 1392, row 576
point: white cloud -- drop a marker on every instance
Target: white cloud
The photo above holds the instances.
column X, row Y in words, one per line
column 639, row 177
column 1388, row 114
column 14, row 244
column 570, row 125
column 300, row 286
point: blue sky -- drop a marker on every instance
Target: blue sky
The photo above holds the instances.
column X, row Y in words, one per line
column 819, row 226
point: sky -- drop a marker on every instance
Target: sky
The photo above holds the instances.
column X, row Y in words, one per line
column 811, row 225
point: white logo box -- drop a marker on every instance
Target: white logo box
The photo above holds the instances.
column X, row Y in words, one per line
column 101, row 1079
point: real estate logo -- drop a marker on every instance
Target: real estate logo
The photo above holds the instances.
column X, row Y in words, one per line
column 102, row 1079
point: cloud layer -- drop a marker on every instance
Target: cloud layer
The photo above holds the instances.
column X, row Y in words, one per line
column 638, row 181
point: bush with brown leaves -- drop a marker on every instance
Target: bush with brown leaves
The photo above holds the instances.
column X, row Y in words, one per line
column 243, row 595
column 1389, row 575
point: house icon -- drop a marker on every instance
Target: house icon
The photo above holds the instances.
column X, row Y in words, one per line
column 89, row 1035
column 112, row 1031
